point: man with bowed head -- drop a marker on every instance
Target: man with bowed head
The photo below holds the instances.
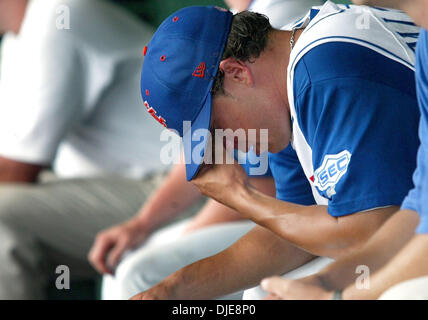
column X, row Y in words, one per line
column 305, row 86
column 158, row 252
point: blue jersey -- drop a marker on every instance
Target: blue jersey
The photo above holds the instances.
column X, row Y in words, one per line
column 354, row 113
column 417, row 199
column 290, row 181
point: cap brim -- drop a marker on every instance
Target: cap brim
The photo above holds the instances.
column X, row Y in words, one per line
column 195, row 140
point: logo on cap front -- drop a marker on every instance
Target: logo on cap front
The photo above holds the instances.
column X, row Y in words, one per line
column 152, row 111
column 200, row 70
column 221, row 9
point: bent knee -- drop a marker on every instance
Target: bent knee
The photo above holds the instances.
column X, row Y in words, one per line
column 14, row 202
column 141, row 271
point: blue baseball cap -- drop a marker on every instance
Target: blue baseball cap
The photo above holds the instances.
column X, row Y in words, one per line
column 181, row 62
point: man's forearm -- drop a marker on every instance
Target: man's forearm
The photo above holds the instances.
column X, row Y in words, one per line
column 171, row 198
column 333, row 237
column 240, row 266
column 384, row 244
column 12, row 171
column 411, row 262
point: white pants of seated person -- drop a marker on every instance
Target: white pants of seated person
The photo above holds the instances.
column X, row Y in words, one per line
column 414, row 289
column 167, row 251
column 312, row 267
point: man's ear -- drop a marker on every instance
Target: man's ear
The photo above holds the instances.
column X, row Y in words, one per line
column 236, row 72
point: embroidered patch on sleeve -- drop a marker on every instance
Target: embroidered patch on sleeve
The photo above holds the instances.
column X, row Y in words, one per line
column 333, row 167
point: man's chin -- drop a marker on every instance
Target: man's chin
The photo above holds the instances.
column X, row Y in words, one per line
column 245, row 148
column 259, row 150
column 255, row 148
column 277, row 148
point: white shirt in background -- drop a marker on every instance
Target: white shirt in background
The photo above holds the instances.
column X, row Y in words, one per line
column 71, row 96
column 282, row 12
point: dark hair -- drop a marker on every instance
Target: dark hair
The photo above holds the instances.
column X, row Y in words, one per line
column 247, row 39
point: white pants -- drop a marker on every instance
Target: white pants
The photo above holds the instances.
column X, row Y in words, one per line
column 312, row 267
column 167, row 251
column 415, row 289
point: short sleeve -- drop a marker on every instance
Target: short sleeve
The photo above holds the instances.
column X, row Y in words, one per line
column 411, row 202
column 423, row 225
column 417, row 198
column 40, row 94
column 290, row 181
column 360, row 122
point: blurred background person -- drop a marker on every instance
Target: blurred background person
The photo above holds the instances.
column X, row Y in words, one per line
column 215, row 228
column 166, row 250
column 69, row 101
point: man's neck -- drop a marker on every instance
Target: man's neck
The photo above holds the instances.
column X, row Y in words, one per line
column 280, row 50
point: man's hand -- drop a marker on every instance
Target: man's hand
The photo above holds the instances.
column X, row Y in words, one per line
column 287, row 289
column 222, row 181
column 158, row 292
column 173, row 197
column 145, row 296
column 110, row 244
